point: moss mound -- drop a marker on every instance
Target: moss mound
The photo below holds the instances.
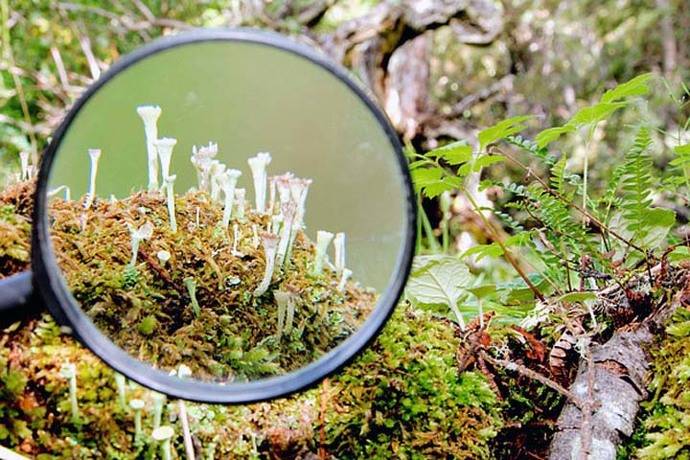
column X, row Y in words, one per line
column 663, row 428
column 197, row 307
column 405, row 398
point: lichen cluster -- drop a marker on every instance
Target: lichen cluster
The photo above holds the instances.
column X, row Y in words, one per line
column 201, row 278
column 147, row 308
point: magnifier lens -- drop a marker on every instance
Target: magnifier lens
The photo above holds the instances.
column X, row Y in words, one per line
column 229, row 207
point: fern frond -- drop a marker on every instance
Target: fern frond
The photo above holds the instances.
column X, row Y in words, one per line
column 558, row 219
column 558, row 178
column 637, row 183
column 531, row 147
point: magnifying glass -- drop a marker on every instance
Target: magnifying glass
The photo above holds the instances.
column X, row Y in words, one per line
column 226, row 205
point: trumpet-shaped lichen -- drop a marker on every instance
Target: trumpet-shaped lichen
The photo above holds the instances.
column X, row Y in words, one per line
column 258, row 166
column 165, row 147
column 201, row 289
column 323, row 240
column 149, row 115
column 94, row 155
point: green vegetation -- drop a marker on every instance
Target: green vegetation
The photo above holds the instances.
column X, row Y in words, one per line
column 540, row 237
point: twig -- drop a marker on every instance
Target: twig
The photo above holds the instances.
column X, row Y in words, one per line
column 85, row 43
column 60, row 65
column 529, row 373
column 506, row 252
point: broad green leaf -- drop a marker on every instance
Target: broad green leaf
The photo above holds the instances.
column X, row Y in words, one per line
column 573, row 297
column 519, row 239
column 419, row 163
column 595, row 113
column 438, row 280
column 502, row 130
column 549, row 135
column 659, row 217
column 454, row 153
column 486, row 160
column 635, row 87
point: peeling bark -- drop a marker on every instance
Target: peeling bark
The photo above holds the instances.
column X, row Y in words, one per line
column 618, row 384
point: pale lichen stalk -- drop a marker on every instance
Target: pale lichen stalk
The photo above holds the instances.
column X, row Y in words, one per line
column 94, row 155
column 270, row 243
column 229, row 181
column 323, row 240
column 339, row 252
column 258, row 166
column 287, row 210
column 347, row 273
column 169, row 187
column 69, row 371
column 138, row 235
column 164, row 147
column 149, row 115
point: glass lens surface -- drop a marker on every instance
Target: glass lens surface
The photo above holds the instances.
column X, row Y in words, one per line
column 229, row 211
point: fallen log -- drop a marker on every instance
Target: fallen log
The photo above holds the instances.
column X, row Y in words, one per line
column 612, row 381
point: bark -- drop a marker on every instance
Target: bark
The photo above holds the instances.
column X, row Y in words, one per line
column 613, row 388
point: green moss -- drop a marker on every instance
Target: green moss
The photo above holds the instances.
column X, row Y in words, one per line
column 404, row 396
column 663, row 429
column 147, row 325
column 198, row 309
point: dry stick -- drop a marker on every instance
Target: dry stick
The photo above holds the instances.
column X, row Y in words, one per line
column 577, row 207
column 506, row 252
column 529, row 373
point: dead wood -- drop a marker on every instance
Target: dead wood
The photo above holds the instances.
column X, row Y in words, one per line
column 613, row 382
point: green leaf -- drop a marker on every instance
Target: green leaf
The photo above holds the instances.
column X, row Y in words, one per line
column 682, row 150
column 486, row 160
column 501, row 130
column 549, row 135
column 422, row 177
column 595, row 113
column 574, row 297
column 436, row 189
column 483, row 291
column 483, row 250
column 679, row 254
column 635, row 87
column 454, row 153
column 438, row 280
column 679, row 329
column 659, row 217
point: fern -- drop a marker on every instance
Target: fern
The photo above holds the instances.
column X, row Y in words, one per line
column 558, row 176
column 637, row 183
column 532, row 148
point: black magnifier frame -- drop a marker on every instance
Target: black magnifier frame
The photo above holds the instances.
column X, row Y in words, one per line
column 46, row 286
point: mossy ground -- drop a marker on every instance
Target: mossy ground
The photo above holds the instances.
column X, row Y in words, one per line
column 147, row 308
column 403, row 398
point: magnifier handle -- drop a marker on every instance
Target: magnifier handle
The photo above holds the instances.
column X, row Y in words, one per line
column 16, row 297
